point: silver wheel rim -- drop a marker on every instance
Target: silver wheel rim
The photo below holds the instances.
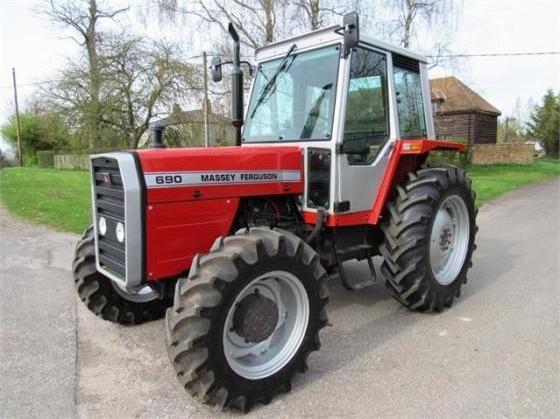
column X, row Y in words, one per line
column 143, row 295
column 255, row 361
column 449, row 240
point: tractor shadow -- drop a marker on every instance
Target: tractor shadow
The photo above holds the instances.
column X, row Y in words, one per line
column 365, row 320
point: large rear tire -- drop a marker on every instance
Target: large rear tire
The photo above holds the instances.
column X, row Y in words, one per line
column 247, row 318
column 429, row 238
column 104, row 298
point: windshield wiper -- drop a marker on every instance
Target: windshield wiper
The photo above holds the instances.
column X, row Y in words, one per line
column 314, row 112
column 272, row 81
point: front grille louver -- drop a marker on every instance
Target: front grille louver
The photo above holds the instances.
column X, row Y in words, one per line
column 109, row 203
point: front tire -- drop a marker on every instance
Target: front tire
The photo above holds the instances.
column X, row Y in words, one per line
column 247, row 318
column 104, row 298
column 429, row 238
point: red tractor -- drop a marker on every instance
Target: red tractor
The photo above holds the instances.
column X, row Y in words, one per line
column 233, row 244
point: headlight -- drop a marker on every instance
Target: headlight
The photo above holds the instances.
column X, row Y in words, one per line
column 119, row 230
column 102, row 226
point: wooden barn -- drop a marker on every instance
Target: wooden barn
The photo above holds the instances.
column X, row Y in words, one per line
column 461, row 113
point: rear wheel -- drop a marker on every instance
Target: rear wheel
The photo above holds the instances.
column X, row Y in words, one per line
column 429, row 238
column 247, row 317
column 108, row 300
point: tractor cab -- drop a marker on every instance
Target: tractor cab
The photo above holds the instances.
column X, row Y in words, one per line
column 344, row 99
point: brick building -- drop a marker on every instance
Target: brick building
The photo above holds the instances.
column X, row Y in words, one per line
column 461, row 113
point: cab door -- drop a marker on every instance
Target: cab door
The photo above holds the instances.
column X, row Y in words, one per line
column 367, row 133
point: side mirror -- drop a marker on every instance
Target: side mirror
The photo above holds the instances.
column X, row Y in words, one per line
column 354, row 147
column 216, row 69
column 350, row 32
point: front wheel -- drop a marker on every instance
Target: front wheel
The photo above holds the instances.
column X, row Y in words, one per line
column 429, row 235
column 247, row 317
column 108, row 300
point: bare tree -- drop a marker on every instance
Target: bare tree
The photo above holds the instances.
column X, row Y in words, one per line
column 315, row 14
column 412, row 13
column 262, row 21
column 427, row 25
column 82, row 18
column 255, row 19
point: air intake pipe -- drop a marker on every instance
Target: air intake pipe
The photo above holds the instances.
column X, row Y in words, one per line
column 157, row 135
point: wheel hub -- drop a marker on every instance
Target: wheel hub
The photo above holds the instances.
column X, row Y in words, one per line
column 445, row 239
column 256, row 317
column 266, row 325
column 449, row 239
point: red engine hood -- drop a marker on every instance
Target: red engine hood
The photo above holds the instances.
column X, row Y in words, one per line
column 188, row 174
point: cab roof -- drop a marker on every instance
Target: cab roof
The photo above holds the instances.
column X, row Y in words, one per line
column 327, row 36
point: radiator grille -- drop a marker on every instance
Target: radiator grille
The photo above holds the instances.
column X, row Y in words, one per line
column 110, row 204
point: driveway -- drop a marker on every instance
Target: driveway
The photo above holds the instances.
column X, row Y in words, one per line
column 494, row 353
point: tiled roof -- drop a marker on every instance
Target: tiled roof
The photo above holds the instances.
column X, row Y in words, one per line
column 454, row 96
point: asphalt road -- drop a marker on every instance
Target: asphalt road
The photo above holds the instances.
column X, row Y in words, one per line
column 495, row 353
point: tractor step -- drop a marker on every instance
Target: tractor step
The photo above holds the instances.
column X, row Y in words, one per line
column 365, row 250
column 353, row 249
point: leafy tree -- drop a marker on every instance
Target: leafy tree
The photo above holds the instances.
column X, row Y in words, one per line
column 544, row 124
column 140, row 81
column 39, row 131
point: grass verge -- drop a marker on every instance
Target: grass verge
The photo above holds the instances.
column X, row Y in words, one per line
column 490, row 182
column 61, row 198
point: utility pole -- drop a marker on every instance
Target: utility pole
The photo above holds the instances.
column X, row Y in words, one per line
column 205, row 106
column 18, row 128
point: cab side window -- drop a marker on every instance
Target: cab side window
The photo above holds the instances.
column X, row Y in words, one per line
column 367, row 106
column 410, row 105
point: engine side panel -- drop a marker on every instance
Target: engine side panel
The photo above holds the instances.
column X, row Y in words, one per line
column 177, row 231
column 193, row 196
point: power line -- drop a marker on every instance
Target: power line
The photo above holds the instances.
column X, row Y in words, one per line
column 497, row 54
column 28, row 84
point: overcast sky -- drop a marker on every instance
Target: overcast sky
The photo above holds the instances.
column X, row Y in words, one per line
column 37, row 50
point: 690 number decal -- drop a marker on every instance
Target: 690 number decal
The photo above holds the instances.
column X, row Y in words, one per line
column 168, row 179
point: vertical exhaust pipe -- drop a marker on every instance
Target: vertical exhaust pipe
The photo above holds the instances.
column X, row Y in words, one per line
column 236, row 86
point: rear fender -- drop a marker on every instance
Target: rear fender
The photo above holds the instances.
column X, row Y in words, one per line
column 408, row 156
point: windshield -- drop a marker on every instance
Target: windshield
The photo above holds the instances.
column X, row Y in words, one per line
column 298, row 102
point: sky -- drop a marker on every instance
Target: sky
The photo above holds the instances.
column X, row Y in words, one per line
column 37, row 49
column 505, row 26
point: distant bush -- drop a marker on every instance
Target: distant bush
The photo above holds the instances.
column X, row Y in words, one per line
column 39, row 131
column 6, row 161
column 455, row 158
column 45, row 158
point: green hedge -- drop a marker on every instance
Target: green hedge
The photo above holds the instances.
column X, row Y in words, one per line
column 45, row 158
column 451, row 157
